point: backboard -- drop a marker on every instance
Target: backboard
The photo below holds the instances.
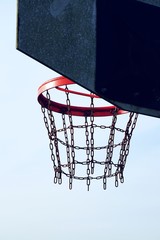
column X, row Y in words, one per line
column 110, row 47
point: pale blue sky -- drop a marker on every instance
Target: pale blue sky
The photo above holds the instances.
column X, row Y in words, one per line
column 31, row 206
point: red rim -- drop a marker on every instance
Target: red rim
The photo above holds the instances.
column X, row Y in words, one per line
column 74, row 110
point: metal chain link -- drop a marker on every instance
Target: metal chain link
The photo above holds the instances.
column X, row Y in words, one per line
column 87, row 153
column 110, row 147
column 72, row 172
column 92, row 134
column 125, row 146
column 52, row 134
column 67, row 144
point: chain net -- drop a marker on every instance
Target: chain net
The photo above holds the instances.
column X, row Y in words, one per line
column 75, row 153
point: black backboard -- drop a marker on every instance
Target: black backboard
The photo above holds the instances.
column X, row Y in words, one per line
column 111, row 47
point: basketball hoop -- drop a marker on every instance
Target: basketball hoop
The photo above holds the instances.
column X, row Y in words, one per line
column 75, row 139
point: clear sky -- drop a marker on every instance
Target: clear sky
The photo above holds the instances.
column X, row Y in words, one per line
column 31, row 206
